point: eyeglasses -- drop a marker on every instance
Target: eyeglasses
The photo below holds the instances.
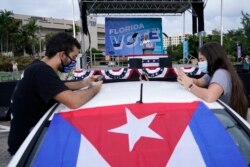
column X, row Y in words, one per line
column 69, row 57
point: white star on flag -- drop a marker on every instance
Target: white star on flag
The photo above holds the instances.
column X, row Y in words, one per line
column 136, row 128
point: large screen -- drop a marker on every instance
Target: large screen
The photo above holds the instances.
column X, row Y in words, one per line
column 132, row 36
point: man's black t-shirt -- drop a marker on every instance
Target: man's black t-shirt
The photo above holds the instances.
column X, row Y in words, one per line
column 32, row 98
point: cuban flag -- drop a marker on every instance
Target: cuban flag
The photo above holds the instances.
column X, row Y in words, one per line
column 145, row 135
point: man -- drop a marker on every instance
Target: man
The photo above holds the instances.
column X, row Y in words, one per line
column 40, row 87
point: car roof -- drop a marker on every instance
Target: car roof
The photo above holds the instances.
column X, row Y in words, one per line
column 128, row 93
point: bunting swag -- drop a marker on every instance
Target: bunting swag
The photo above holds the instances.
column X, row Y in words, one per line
column 154, row 72
column 127, row 73
column 190, row 71
column 82, row 74
column 122, row 73
column 149, row 134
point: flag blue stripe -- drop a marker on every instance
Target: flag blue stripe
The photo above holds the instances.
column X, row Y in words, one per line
column 215, row 144
column 60, row 146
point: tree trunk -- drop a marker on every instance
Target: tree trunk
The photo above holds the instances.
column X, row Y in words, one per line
column 12, row 49
column 1, row 44
column 7, row 45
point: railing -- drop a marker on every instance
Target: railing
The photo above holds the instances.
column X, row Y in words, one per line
column 10, row 76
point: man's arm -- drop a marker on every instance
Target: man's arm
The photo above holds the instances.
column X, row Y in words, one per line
column 75, row 99
column 75, row 85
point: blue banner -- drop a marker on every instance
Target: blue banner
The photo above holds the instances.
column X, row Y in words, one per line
column 239, row 51
column 185, row 49
column 129, row 36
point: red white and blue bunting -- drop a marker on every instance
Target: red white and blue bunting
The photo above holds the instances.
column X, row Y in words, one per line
column 122, row 73
column 126, row 73
column 154, row 72
column 191, row 71
column 82, row 74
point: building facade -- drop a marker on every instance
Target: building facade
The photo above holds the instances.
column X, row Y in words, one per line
column 97, row 31
column 48, row 25
column 173, row 40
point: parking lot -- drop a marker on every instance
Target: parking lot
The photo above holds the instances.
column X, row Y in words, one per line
column 4, row 155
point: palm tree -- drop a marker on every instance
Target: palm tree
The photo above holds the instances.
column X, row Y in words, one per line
column 8, row 25
column 77, row 29
column 245, row 21
column 26, row 37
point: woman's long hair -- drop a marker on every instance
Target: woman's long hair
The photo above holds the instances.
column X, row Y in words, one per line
column 216, row 59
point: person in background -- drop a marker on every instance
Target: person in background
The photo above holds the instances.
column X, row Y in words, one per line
column 246, row 63
column 247, row 59
column 220, row 81
column 14, row 66
column 15, row 70
column 147, row 44
column 40, row 87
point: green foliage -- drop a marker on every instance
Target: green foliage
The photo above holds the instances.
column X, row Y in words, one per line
column 22, row 61
column 193, row 43
column 5, row 63
column 47, row 37
column 94, row 50
column 240, row 36
column 245, row 21
column 175, row 51
column 70, row 30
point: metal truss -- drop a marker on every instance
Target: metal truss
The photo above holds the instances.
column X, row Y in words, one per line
column 137, row 7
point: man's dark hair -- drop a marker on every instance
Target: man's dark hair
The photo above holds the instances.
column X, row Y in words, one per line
column 61, row 42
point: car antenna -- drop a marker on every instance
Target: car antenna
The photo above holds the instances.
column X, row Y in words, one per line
column 141, row 91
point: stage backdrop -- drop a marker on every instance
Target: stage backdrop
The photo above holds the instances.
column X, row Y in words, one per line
column 119, row 33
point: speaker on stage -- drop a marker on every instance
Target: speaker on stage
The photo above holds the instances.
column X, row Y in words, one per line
column 165, row 62
column 135, row 63
column 198, row 10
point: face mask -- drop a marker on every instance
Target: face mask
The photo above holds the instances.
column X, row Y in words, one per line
column 69, row 67
column 203, row 66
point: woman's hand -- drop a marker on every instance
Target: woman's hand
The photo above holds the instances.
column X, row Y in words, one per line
column 183, row 79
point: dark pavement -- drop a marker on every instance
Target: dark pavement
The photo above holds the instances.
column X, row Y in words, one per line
column 4, row 155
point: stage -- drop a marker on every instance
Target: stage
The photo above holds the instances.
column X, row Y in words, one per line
column 149, row 60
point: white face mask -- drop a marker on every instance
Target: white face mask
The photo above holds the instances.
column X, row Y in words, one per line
column 203, row 66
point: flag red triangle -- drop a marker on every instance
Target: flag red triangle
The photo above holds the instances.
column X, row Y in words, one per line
column 170, row 122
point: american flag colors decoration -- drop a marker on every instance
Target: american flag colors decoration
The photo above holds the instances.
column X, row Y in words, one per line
column 82, row 74
column 190, row 71
column 155, row 72
column 121, row 73
column 127, row 73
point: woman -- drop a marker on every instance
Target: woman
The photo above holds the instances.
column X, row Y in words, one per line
column 220, row 81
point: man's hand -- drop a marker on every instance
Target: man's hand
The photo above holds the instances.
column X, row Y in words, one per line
column 92, row 78
column 96, row 86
